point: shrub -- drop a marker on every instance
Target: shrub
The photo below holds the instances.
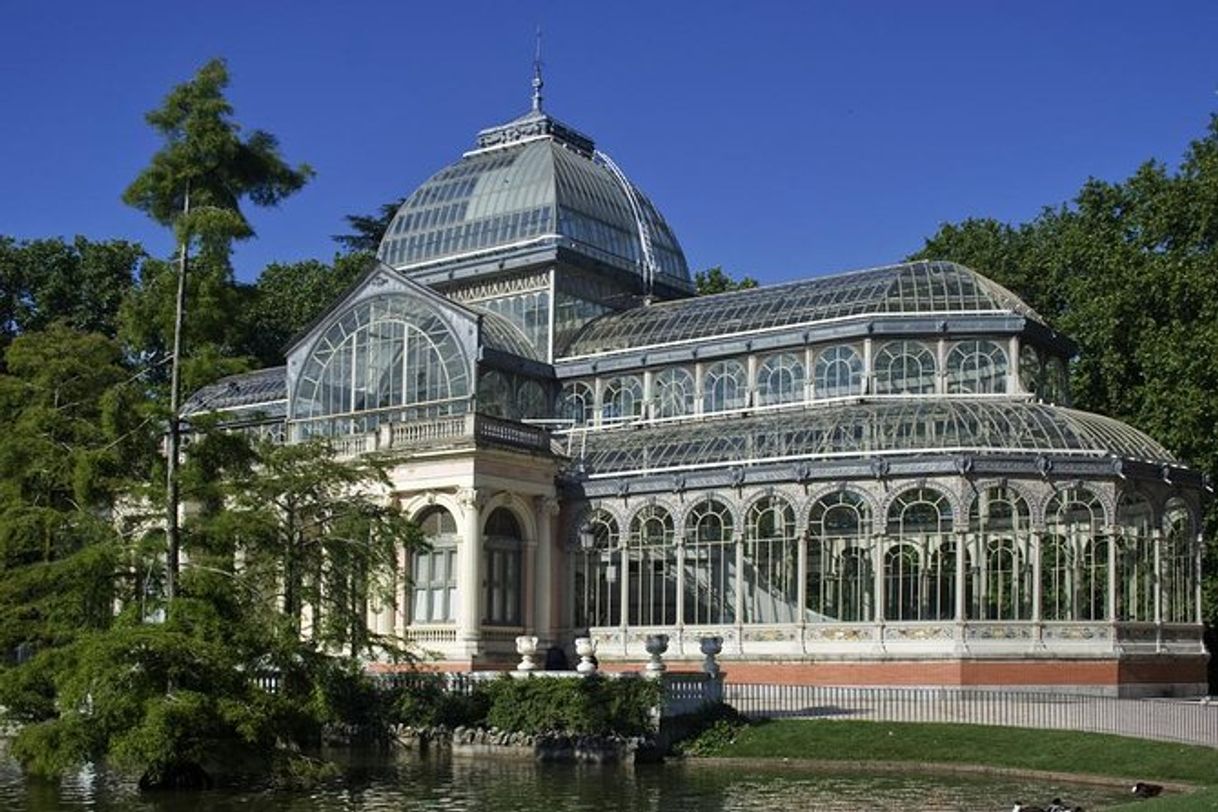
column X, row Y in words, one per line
column 591, row 705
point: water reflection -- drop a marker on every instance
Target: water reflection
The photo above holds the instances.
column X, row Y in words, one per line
column 379, row 783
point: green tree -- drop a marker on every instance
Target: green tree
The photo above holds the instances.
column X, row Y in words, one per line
column 716, row 280
column 1127, row 269
column 367, row 230
column 195, row 184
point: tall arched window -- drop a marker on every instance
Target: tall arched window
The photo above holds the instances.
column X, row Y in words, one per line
column 1074, row 517
column 495, row 394
column 386, row 358
column 904, row 368
column 597, row 569
column 839, row 373
column 433, row 577
column 976, row 367
column 725, row 385
column 622, row 399
column 1000, row 522
column 1029, row 369
column 780, row 379
column 531, row 400
column 674, row 392
column 1057, row 568
column 839, row 580
column 1135, row 558
column 651, row 563
column 1179, row 562
column 710, row 572
column 771, row 562
column 577, row 403
column 503, row 558
column 921, row 520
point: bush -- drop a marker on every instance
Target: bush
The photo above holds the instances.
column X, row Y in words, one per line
column 423, row 701
column 590, row 705
column 711, row 731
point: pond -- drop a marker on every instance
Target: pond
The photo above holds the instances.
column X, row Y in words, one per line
column 446, row 783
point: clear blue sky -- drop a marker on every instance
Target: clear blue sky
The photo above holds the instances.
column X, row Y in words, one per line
column 783, row 140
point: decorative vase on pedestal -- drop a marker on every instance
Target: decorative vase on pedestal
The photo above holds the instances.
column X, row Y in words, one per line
column 656, row 645
column 526, row 647
column 585, row 647
column 711, row 647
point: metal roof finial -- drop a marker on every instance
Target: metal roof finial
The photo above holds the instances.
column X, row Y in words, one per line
column 537, row 80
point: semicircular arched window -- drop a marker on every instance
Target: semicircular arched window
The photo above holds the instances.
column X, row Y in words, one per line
column 904, row 368
column 674, row 392
column 710, row 564
column 725, row 386
column 1074, row 582
column 780, row 379
column 577, row 404
column 596, row 572
column 385, row 359
column 622, row 399
column 839, row 581
column 839, row 373
column 976, row 367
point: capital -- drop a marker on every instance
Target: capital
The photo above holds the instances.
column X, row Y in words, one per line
column 546, row 505
column 473, row 498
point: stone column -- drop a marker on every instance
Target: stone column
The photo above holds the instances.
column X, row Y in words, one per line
column 878, row 544
column 1156, row 538
column 1034, row 552
column 469, row 570
column 1110, row 599
column 679, row 543
column 961, row 593
column 546, row 508
column 801, row 579
column 738, row 608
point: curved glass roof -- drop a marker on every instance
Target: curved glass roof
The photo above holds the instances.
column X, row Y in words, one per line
column 500, row 334
column 533, row 180
column 867, row 429
column 237, row 391
column 913, row 287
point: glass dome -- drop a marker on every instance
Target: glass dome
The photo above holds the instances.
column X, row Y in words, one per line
column 534, row 181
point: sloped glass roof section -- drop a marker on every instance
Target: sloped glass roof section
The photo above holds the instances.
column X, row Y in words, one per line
column 908, row 288
column 500, row 334
column 857, row 430
column 533, row 180
column 264, row 386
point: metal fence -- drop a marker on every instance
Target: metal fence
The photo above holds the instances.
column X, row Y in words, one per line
column 1171, row 720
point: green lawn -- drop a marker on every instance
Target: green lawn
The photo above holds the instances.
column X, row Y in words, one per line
column 1057, row 751
column 1193, row 802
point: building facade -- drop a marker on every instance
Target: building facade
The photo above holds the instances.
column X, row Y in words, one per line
column 873, row 477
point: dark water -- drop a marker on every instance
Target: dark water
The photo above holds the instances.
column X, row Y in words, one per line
column 514, row 786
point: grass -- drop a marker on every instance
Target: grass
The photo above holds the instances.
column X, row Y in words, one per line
column 1015, row 748
column 1192, row 802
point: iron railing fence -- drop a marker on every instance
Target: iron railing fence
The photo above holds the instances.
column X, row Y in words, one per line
column 1170, row 720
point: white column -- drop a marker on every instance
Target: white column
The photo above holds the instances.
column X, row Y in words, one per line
column 546, row 508
column 1156, row 538
column 1200, row 547
column 738, row 609
column 1110, row 602
column 1013, row 365
column 698, row 378
column 1034, row 552
column 941, row 365
column 809, row 392
column 801, row 575
column 868, row 372
column 961, row 610
column 469, row 570
column 679, row 542
column 878, row 542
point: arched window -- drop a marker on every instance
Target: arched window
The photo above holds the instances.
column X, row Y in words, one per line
column 651, row 562
column 531, row 400
column 1179, row 562
column 495, row 394
column 904, row 368
column 622, row 399
column 976, row 367
column 1057, row 567
column 503, row 545
column 596, row 588
column 725, row 385
column 577, row 403
column 921, row 519
column 780, row 379
column 1135, row 558
column 710, row 564
column 839, row 580
column 1029, row 369
column 839, row 373
column 433, row 578
column 1056, row 388
column 771, row 562
column 941, row 582
column 674, row 392
column 1074, row 518
column 1000, row 522
column 386, row 358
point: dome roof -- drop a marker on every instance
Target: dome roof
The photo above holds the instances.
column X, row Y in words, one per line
column 860, row 430
column 534, row 182
column 908, row 288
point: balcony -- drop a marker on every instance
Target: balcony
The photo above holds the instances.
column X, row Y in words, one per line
column 442, row 433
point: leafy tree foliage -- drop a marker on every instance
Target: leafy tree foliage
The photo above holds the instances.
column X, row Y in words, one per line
column 1130, row 271
column 80, row 283
column 367, row 230
column 289, row 296
column 716, row 280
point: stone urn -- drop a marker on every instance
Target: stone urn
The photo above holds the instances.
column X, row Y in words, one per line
column 656, row 645
column 585, row 647
column 711, row 647
column 526, row 647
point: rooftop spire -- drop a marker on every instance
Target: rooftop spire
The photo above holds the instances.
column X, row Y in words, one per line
column 537, row 80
